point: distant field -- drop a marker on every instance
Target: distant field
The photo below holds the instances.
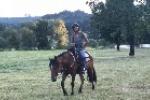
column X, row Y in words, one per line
column 24, row 75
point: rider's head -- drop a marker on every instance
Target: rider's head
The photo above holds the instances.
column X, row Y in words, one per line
column 75, row 27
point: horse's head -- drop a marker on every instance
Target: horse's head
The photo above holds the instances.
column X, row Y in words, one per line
column 58, row 62
column 54, row 65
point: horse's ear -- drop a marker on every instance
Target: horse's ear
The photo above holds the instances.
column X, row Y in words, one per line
column 55, row 57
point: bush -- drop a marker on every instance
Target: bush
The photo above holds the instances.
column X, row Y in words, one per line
column 93, row 43
column 3, row 43
column 104, row 43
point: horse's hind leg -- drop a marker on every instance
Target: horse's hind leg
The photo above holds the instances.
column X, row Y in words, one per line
column 93, row 86
column 92, row 74
column 92, row 80
column 62, row 84
column 72, row 84
column 82, row 82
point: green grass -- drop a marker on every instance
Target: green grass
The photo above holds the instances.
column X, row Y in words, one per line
column 24, row 75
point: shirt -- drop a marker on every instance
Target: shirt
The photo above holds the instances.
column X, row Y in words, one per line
column 78, row 39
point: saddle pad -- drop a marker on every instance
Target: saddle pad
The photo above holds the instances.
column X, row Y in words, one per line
column 87, row 59
column 84, row 54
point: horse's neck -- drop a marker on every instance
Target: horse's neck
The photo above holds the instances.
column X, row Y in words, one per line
column 70, row 60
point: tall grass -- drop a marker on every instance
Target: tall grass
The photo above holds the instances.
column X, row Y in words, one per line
column 24, row 75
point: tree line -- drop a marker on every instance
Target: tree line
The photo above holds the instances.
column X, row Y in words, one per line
column 113, row 22
column 42, row 34
column 121, row 22
column 45, row 32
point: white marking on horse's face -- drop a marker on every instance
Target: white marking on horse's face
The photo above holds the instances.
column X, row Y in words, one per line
column 51, row 66
column 53, row 74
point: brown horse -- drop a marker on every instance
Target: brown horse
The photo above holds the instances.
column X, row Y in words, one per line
column 66, row 64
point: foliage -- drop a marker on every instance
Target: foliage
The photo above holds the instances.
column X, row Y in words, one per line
column 27, row 38
column 16, row 21
column 93, row 43
column 12, row 36
column 3, row 43
column 119, row 21
column 51, row 34
column 60, row 32
column 41, row 34
column 80, row 17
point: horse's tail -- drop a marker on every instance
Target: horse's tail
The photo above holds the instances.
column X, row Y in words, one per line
column 94, row 75
column 91, row 74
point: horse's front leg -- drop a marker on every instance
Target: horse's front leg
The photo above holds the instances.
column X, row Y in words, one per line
column 82, row 82
column 72, row 84
column 62, row 84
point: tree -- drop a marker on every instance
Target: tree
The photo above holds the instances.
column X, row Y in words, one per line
column 60, row 32
column 3, row 43
column 29, row 25
column 114, row 19
column 2, row 27
column 41, row 34
column 80, row 17
column 147, row 20
column 27, row 38
column 51, row 32
column 12, row 37
column 107, row 22
column 130, row 22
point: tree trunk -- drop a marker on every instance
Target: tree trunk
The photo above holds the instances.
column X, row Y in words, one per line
column 117, row 40
column 132, row 46
column 118, row 46
column 132, row 51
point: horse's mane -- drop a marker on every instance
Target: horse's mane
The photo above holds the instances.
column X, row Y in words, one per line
column 61, row 54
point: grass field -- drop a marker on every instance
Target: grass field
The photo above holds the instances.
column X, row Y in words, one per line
column 24, row 75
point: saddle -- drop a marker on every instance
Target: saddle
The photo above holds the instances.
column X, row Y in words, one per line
column 75, row 54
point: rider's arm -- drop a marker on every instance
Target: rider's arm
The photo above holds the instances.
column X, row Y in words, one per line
column 72, row 43
column 86, row 39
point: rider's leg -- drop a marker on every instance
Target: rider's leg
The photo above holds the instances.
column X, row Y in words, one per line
column 84, row 64
column 82, row 55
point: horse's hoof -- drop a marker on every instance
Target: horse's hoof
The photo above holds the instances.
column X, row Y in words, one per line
column 65, row 94
column 93, row 87
column 72, row 93
column 80, row 91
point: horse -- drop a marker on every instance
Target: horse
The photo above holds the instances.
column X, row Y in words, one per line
column 66, row 63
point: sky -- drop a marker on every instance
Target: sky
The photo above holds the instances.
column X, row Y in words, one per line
column 21, row 8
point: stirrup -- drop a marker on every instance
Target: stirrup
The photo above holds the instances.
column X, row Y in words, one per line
column 83, row 71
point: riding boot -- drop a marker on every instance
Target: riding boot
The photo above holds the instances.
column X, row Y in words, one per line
column 84, row 66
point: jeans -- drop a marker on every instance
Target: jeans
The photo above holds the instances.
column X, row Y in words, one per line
column 82, row 56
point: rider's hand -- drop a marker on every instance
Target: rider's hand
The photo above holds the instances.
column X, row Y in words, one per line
column 72, row 44
column 84, row 44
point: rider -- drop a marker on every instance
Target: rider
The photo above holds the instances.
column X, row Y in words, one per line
column 80, row 41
